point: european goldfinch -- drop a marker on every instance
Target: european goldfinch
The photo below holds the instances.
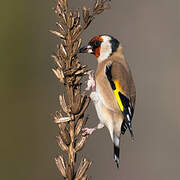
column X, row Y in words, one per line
column 113, row 92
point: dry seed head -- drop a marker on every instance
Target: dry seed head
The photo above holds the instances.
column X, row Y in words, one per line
column 62, row 51
column 80, row 71
column 63, row 131
column 61, row 120
column 61, row 165
column 59, row 74
column 70, row 20
column 78, row 78
column 57, row 34
column 76, row 46
column 76, row 31
column 100, row 6
column 79, row 125
column 63, row 18
column 71, row 71
column 99, row 11
column 72, row 23
column 79, row 43
column 57, row 116
column 85, row 13
column 61, row 143
column 76, row 16
column 61, row 29
column 84, row 165
column 56, row 59
column 63, row 104
column 95, row 5
column 63, row 5
column 84, row 177
column 58, row 10
column 76, row 104
column 85, row 105
column 69, row 172
column 80, row 143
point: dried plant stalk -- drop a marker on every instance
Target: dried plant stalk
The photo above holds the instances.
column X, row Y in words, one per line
column 70, row 71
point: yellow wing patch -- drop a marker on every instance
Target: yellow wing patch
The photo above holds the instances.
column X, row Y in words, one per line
column 118, row 88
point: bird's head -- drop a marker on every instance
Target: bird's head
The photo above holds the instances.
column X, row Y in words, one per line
column 102, row 46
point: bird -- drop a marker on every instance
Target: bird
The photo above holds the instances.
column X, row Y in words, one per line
column 113, row 89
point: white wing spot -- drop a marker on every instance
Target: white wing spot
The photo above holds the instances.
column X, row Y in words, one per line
column 129, row 110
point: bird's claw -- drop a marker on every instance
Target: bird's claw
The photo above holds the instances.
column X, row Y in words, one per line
column 91, row 82
column 87, row 131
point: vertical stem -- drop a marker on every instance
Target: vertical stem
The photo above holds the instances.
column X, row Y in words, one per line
column 69, row 71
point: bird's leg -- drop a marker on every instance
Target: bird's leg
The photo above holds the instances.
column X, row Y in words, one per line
column 89, row 131
column 91, row 82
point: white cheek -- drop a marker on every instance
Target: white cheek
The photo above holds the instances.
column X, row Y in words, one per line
column 105, row 51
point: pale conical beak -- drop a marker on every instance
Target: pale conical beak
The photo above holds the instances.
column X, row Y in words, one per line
column 86, row 49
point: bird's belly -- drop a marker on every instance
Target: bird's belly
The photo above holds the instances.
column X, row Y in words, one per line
column 103, row 113
column 99, row 107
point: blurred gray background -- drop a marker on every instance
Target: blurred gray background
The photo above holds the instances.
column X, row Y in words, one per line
column 150, row 34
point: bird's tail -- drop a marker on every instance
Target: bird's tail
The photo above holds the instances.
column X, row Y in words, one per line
column 117, row 150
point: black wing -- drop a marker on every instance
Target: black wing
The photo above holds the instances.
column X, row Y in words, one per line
column 123, row 101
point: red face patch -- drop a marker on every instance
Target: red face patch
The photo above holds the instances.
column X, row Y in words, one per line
column 96, row 38
column 97, row 52
column 95, row 44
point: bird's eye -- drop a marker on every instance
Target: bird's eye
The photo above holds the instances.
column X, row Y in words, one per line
column 97, row 43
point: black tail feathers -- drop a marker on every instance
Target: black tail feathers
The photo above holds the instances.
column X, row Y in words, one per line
column 131, row 132
column 116, row 155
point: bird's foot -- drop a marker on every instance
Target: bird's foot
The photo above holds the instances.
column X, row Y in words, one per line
column 94, row 97
column 87, row 131
column 91, row 81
